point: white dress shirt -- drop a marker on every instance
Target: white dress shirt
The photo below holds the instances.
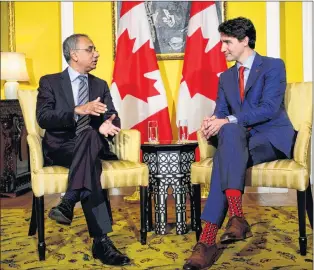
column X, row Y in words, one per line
column 75, row 82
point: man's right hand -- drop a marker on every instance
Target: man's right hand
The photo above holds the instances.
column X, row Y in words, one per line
column 94, row 107
column 205, row 124
column 107, row 128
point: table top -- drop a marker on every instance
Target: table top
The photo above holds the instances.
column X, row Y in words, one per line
column 169, row 144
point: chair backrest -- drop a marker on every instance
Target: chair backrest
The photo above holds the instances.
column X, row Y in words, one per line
column 28, row 99
column 299, row 103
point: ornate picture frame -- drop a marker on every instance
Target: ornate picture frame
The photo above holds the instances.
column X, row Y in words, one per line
column 168, row 24
column 8, row 27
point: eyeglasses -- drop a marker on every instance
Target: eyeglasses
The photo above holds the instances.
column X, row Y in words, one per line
column 90, row 49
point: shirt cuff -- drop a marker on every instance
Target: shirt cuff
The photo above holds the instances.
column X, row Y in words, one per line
column 76, row 116
column 232, row 119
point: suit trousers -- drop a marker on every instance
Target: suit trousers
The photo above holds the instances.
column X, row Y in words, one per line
column 82, row 155
column 237, row 150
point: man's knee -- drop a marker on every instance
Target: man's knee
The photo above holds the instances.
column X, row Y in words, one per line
column 90, row 133
column 89, row 137
column 232, row 130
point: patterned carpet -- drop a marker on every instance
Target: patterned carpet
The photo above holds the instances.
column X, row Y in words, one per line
column 274, row 244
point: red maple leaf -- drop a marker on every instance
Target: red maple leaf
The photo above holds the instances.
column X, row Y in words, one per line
column 130, row 69
column 200, row 69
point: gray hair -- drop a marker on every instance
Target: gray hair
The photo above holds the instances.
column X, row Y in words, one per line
column 70, row 44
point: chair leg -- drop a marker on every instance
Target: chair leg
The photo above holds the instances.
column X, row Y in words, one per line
column 301, row 196
column 107, row 200
column 149, row 212
column 39, row 202
column 197, row 208
column 143, row 209
column 309, row 204
column 33, row 223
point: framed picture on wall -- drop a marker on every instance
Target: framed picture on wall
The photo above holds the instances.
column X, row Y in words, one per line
column 7, row 27
column 168, row 25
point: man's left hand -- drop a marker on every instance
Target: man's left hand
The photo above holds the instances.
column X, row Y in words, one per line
column 214, row 126
column 107, row 128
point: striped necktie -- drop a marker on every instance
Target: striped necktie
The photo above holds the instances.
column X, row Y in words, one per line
column 83, row 120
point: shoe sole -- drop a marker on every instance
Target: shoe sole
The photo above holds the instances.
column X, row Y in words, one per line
column 59, row 217
column 217, row 256
column 232, row 240
column 219, row 252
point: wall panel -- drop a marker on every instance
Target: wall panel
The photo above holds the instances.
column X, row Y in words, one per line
column 291, row 39
column 256, row 12
column 95, row 20
column 37, row 28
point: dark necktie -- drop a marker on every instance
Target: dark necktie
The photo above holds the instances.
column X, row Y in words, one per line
column 83, row 120
column 241, row 82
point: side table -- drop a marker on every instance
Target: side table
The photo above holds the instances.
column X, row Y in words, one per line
column 169, row 164
column 14, row 154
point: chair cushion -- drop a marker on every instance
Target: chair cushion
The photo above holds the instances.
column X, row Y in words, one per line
column 115, row 174
column 284, row 173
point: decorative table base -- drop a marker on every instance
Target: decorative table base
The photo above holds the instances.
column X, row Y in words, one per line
column 169, row 166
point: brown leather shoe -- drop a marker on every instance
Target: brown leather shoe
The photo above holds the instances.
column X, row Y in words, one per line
column 203, row 257
column 237, row 229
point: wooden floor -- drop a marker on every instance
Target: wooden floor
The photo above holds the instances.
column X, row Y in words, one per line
column 263, row 199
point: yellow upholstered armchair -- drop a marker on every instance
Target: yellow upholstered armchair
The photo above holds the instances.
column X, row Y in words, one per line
column 289, row 173
column 128, row 171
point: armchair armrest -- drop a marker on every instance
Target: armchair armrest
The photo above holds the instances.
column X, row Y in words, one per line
column 36, row 152
column 127, row 145
column 206, row 150
column 302, row 151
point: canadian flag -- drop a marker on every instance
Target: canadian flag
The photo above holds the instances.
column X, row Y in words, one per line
column 203, row 63
column 137, row 89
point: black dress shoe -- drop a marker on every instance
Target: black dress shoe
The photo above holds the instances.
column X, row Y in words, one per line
column 107, row 253
column 63, row 212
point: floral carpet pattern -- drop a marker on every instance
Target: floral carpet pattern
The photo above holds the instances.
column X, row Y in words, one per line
column 274, row 244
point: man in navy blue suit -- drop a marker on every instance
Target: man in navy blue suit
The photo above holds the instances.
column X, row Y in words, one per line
column 249, row 126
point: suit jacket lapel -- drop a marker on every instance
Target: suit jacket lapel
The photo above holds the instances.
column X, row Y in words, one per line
column 91, row 88
column 254, row 72
column 67, row 88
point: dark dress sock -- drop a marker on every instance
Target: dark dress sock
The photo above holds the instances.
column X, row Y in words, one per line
column 72, row 196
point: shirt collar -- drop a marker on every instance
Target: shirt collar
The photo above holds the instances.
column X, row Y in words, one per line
column 248, row 63
column 74, row 74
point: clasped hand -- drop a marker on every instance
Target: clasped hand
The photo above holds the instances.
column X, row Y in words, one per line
column 211, row 126
column 94, row 107
column 107, row 128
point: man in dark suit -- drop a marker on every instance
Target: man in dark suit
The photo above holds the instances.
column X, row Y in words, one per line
column 249, row 126
column 76, row 110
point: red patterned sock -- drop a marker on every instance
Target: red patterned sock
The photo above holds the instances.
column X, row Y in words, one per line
column 209, row 233
column 234, row 198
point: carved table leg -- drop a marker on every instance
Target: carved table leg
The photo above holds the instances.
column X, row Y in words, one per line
column 180, row 203
column 160, row 194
